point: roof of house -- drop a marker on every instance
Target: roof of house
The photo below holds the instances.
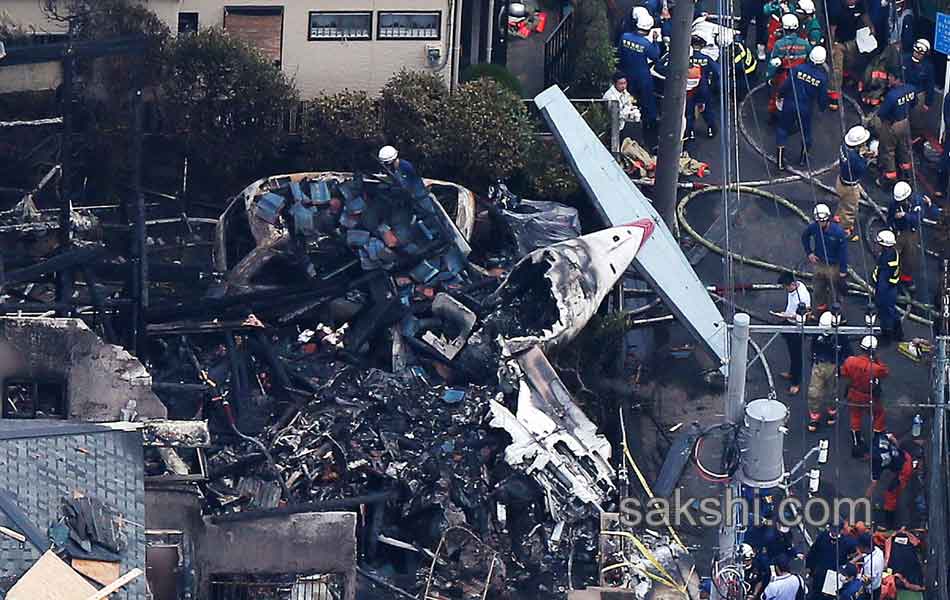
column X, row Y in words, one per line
column 41, row 462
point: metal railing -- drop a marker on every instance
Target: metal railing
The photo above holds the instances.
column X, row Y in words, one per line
column 314, row 587
column 557, row 51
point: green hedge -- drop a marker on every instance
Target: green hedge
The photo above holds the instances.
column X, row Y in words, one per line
column 497, row 73
column 593, row 56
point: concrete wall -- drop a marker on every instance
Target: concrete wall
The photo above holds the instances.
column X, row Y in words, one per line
column 100, row 378
column 279, row 545
column 317, row 66
column 30, row 78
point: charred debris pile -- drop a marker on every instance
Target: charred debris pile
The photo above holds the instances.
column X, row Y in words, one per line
column 357, row 344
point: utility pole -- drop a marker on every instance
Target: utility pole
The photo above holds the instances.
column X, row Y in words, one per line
column 64, row 278
column 674, row 107
column 937, row 517
column 735, row 412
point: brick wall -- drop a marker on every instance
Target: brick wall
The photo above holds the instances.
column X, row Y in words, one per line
column 263, row 31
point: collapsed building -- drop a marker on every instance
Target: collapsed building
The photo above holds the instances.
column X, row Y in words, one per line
column 355, row 374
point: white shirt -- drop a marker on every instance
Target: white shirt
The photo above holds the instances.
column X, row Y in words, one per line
column 873, row 568
column 629, row 112
column 783, row 587
column 800, row 295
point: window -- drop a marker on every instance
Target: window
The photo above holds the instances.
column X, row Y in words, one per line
column 340, row 26
column 187, row 23
column 27, row 399
column 410, row 26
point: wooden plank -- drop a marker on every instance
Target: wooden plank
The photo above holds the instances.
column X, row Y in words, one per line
column 51, row 579
column 115, row 585
column 100, row 571
column 16, row 535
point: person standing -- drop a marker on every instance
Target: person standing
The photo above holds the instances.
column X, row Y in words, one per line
column 829, row 552
column 627, row 110
column 809, row 23
column 789, row 52
column 753, row 10
column 918, row 71
column 826, row 247
column 637, row 51
column 711, row 72
column 744, row 66
column 893, row 128
column 903, row 218
column 796, row 307
column 402, row 171
column 828, row 352
column 886, row 279
column 864, row 373
column 851, row 16
column 872, row 565
column 806, row 85
column 784, row 585
column 852, row 167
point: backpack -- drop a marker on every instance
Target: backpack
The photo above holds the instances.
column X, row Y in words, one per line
column 802, row 591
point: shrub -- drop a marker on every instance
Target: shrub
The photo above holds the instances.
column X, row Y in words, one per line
column 226, row 102
column 497, row 73
column 593, row 55
column 414, row 111
column 343, row 132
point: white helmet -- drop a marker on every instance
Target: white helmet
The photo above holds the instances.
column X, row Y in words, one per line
column 922, row 46
column 902, row 191
column 789, row 22
column 387, row 154
column 806, row 6
column 869, row 342
column 518, row 10
column 828, row 320
column 857, row 136
column 822, row 212
column 746, row 552
column 818, row 55
column 886, row 238
column 645, row 22
column 638, row 12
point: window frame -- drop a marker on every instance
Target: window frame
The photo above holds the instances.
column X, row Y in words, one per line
column 438, row 28
column 197, row 16
column 369, row 30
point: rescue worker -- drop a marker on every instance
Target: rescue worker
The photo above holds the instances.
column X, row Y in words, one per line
column 797, row 304
column 712, row 76
column 744, row 66
column 789, row 52
column 887, row 454
column 892, row 122
column 806, row 85
column 627, row 109
column 828, row 553
column 852, row 167
column 851, row 16
column 900, row 39
column 917, row 71
column 809, row 22
column 776, row 10
column 827, row 249
column 753, row 10
column 851, row 587
column 864, row 372
column 402, row 171
column 636, row 53
column 828, row 351
column 697, row 97
column 886, row 279
column 753, row 579
column 903, row 218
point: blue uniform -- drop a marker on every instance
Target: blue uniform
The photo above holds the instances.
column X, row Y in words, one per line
column 636, row 52
column 913, row 208
column 920, row 75
column 712, row 77
column 850, row 590
column 829, row 245
column 898, row 103
column 824, row 349
column 806, row 84
column 406, row 177
column 851, row 165
column 885, row 278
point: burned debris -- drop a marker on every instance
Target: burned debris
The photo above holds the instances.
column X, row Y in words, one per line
column 354, row 343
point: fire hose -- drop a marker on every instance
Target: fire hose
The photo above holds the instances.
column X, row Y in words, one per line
column 861, row 285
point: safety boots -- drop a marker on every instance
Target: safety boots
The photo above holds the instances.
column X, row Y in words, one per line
column 780, row 158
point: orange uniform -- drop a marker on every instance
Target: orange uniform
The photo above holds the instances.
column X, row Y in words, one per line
column 862, row 372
